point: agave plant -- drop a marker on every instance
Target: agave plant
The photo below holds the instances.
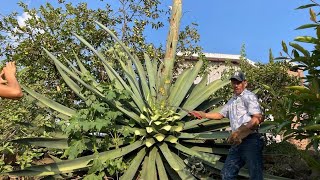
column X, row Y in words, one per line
column 167, row 144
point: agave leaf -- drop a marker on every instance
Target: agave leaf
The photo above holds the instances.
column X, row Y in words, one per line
column 160, row 168
column 183, row 84
column 204, row 156
column 193, row 123
column 57, row 62
column 75, row 164
column 118, row 84
column 71, row 65
column 171, row 139
column 137, row 63
column 57, row 143
column 138, row 101
column 206, row 149
column 142, row 75
column 144, row 170
column 132, row 76
column 151, row 173
column 135, row 164
column 74, row 87
column 80, row 65
column 50, row 103
column 198, row 96
column 151, row 75
column 128, row 112
column 150, row 142
column 211, row 125
column 103, row 59
column 211, row 135
column 209, row 103
column 160, row 137
column 173, row 163
column 140, row 132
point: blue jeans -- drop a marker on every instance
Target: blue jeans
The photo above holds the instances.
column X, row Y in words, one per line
column 248, row 152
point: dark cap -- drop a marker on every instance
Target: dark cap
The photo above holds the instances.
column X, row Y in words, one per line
column 238, row 75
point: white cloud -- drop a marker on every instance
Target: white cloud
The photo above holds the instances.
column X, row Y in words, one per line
column 22, row 19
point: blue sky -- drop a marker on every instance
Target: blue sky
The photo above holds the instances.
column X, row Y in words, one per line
column 225, row 25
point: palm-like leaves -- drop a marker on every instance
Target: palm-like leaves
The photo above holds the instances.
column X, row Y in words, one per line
column 169, row 136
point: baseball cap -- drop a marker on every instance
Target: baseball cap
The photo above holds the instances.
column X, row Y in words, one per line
column 238, row 75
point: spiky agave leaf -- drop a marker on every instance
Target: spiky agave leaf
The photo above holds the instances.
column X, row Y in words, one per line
column 166, row 130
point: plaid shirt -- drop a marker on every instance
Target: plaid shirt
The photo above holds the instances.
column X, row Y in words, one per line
column 239, row 109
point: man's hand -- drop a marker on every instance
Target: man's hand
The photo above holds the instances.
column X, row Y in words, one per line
column 198, row 114
column 2, row 80
column 10, row 69
column 237, row 136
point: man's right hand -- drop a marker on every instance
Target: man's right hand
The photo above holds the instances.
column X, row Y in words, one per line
column 198, row 114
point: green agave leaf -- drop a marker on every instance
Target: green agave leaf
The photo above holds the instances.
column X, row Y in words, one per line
column 56, row 143
column 207, row 149
column 74, row 87
column 139, row 102
column 63, row 67
column 150, row 142
column 136, row 61
column 209, row 103
column 199, row 95
column 211, row 135
column 75, row 164
column 143, row 173
column 171, row 139
column 171, row 159
column 128, row 112
column 183, row 84
column 128, row 69
column 50, row 103
column 160, row 137
column 211, row 125
column 204, row 156
column 103, row 59
column 194, row 123
column 118, row 84
column 71, row 65
column 151, row 173
column 160, row 168
column 151, row 75
column 142, row 75
column 135, row 164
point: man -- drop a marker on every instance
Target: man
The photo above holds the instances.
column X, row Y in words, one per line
column 9, row 86
column 244, row 112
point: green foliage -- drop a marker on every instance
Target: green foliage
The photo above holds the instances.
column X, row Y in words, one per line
column 300, row 106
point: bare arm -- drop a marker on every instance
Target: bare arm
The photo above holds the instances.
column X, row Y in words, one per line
column 10, row 88
column 256, row 119
column 201, row 114
column 216, row 116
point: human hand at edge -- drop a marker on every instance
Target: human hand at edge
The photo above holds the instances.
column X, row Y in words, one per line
column 10, row 69
column 2, row 80
column 198, row 114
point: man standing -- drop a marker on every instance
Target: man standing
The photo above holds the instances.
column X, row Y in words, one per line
column 244, row 113
column 9, row 86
